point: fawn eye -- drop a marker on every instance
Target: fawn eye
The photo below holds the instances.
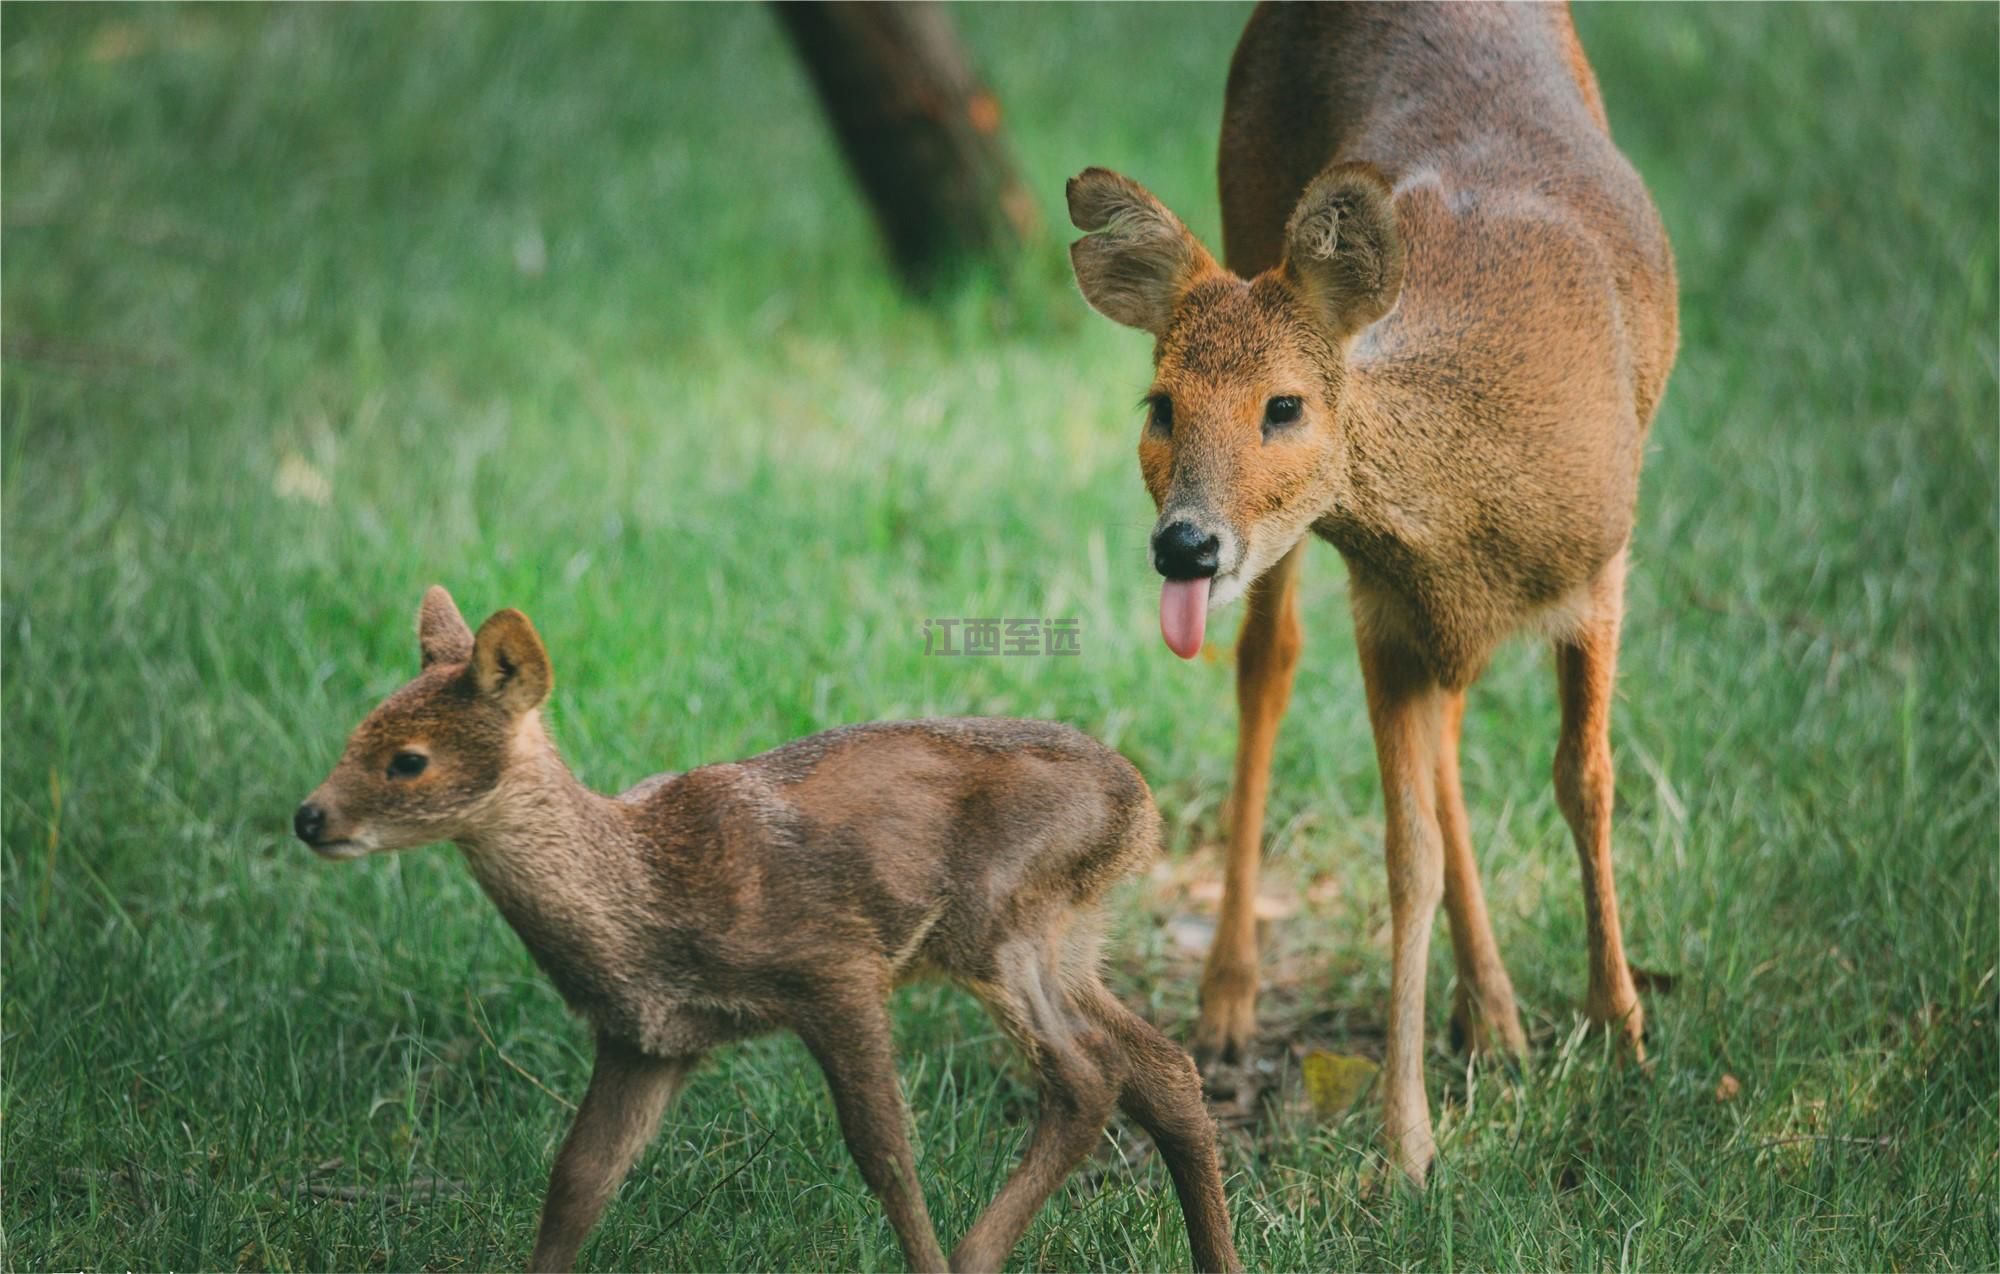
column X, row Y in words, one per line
column 407, row 765
column 1162, row 418
column 1282, row 410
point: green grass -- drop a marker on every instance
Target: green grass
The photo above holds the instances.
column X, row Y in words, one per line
column 730, row 471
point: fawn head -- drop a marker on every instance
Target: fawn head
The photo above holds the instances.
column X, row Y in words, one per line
column 1243, row 446
column 431, row 755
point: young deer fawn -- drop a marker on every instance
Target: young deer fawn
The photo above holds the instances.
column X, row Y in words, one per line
column 790, row 891
column 1447, row 320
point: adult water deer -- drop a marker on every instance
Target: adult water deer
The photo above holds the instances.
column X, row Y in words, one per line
column 790, row 891
column 1447, row 319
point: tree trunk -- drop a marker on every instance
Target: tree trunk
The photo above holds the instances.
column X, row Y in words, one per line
column 919, row 130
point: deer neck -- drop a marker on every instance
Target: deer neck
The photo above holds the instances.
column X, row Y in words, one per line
column 557, row 859
column 1382, row 512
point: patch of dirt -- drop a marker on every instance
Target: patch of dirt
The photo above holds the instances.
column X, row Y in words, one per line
column 1299, row 1006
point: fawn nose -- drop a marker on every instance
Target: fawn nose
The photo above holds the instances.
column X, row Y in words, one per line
column 309, row 822
column 1182, row 550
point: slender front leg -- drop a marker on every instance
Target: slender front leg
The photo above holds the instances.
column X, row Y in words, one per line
column 1483, row 1016
column 1406, row 709
column 628, row 1091
column 1585, row 666
column 850, row 1040
column 1266, row 655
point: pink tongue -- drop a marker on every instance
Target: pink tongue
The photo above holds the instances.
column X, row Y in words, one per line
column 1183, row 613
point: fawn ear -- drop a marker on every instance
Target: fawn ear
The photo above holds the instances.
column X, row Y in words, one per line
column 1343, row 250
column 1136, row 260
column 509, row 664
column 442, row 636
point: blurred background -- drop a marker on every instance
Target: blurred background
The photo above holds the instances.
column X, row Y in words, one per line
column 582, row 310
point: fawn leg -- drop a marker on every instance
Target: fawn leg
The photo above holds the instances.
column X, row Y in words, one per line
column 628, row 1091
column 1483, row 1016
column 1405, row 707
column 1076, row 1064
column 850, row 1040
column 1585, row 665
column 1162, row 1094
column 1266, row 655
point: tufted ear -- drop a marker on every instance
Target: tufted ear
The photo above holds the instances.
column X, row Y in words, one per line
column 1343, row 249
column 1136, row 260
column 509, row 664
column 442, row 637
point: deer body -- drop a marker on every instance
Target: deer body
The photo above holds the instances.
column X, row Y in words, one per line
column 1446, row 322
column 1497, row 414
column 792, row 891
column 675, row 916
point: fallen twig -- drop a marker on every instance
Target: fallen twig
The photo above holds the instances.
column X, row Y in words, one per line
column 417, row 1190
column 35, row 349
column 132, row 1176
column 1883, row 1142
column 726, row 1178
column 513, row 1065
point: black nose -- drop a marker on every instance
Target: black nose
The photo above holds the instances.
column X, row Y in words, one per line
column 1183, row 551
column 309, row 822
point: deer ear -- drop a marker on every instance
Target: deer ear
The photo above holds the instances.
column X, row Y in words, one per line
column 509, row 664
column 1136, row 260
column 1343, row 249
column 442, row 636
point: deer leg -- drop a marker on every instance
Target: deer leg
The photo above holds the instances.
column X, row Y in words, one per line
column 849, row 1038
column 1586, row 663
column 620, row 1111
column 1483, row 1016
column 1266, row 655
column 1162, row 1094
column 1405, row 707
column 1078, row 1067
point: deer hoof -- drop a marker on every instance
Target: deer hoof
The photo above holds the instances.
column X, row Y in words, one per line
column 1228, row 1021
column 1487, row 1030
column 1626, row 1023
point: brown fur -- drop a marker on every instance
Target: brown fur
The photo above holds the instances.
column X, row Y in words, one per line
column 791, row 891
column 1432, row 242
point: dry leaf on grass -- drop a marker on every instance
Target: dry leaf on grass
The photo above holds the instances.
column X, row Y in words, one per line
column 1275, row 906
column 299, row 479
column 1271, row 905
column 1335, row 1081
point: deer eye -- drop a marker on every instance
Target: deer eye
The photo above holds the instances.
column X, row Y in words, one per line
column 1162, row 418
column 1282, row 410
column 407, row 765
